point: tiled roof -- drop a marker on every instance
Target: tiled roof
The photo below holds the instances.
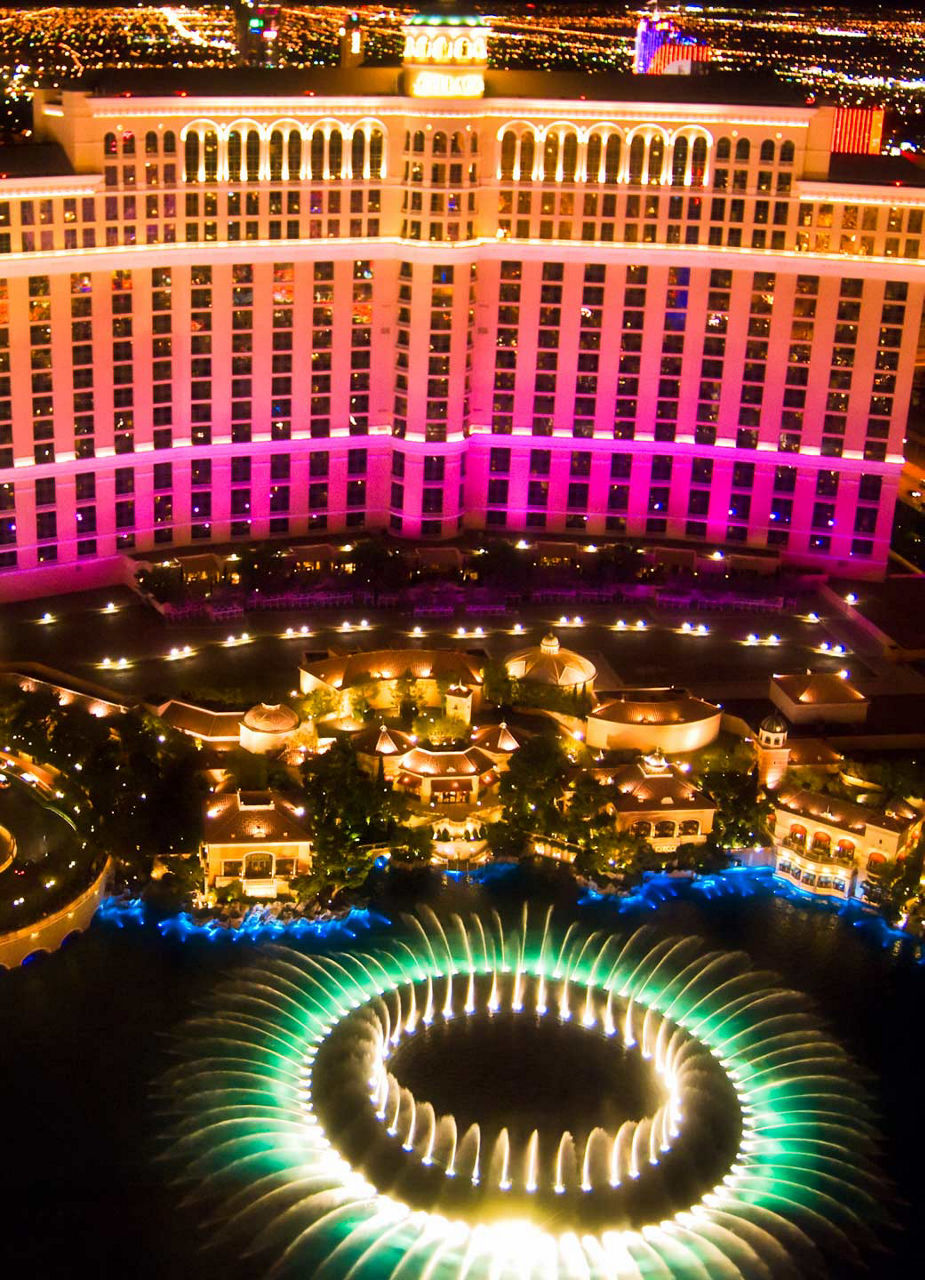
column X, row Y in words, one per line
column 549, row 663
column 640, row 786
column 379, row 739
column 496, row 738
column 427, row 762
column 271, row 718
column 816, row 688
column 655, row 706
column 248, row 816
column 198, row 722
column 343, row 672
column 844, row 814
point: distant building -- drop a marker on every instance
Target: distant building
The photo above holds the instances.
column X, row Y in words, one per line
column 258, row 837
column 661, row 49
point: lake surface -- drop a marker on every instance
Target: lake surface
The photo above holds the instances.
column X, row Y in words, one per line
column 86, row 1034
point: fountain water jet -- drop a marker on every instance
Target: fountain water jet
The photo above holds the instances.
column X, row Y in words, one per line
column 262, row 1087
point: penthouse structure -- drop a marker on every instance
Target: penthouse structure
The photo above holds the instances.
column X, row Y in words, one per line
column 437, row 298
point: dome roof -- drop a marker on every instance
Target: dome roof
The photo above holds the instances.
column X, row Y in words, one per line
column 271, row 718
column 773, row 723
column 549, row 663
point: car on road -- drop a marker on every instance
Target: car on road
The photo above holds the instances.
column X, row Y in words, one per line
column 4, row 781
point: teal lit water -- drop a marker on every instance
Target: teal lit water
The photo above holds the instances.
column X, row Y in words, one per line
column 86, row 1033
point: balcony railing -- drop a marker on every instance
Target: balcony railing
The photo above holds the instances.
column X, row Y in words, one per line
column 818, row 854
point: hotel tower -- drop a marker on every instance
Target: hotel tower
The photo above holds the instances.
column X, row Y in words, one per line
column 267, row 304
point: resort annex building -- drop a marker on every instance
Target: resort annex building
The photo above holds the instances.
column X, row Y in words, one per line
column 244, row 305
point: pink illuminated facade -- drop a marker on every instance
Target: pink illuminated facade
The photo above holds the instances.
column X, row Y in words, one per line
column 444, row 298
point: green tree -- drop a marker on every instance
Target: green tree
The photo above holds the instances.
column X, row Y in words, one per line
column 898, row 882
column 497, row 685
column 347, row 814
column 233, row 891
column 440, row 729
column 533, row 784
column 411, row 844
column 320, row 703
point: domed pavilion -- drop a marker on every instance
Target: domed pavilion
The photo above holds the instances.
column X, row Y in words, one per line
column 268, row 727
column 550, row 664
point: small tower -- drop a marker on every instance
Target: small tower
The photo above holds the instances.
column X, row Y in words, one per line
column 458, row 702
column 351, row 41
column 772, row 750
column 446, row 53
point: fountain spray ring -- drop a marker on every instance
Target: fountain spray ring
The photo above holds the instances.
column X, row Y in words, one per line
column 318, row 1161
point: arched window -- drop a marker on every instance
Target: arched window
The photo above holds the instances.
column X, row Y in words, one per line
column 797, row 834
column 593, row 157
column 527, row 156
column 276, row 156
column 376, row 145
column 150, row 143
column 822, row 842
column 664, row 830
column 845, row 848
column 128, row 144
column 438, row 146
column 170, row 143
column 419, row 141
column 252, row 155
column 637, row 156
column 786, row 152
column 698, row 161
column 743, row 149
column 456, row 144
column 210, row 155
column 642, row 829
column 294, row 155
column 474, row 143
column 191, row 157
column 357, row 153
column 317, row 155
column 508, row 154
column 723, row 149
column 335, row 153
column 679, row 162
column 569, row 157
column 767, row 151
column 689, row 827
column 407, row 140
column 550, row 157
column 234, row 156
column 656, row 157
column 110, row 146
column 612, row 154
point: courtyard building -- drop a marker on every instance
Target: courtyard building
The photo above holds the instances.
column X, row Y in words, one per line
column 832, row 847
column 654, row 801
column 259, row 838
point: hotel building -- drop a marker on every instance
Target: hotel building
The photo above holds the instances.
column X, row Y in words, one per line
column 270, row 304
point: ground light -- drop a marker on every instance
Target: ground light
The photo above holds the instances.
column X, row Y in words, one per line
column 304, row 1143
